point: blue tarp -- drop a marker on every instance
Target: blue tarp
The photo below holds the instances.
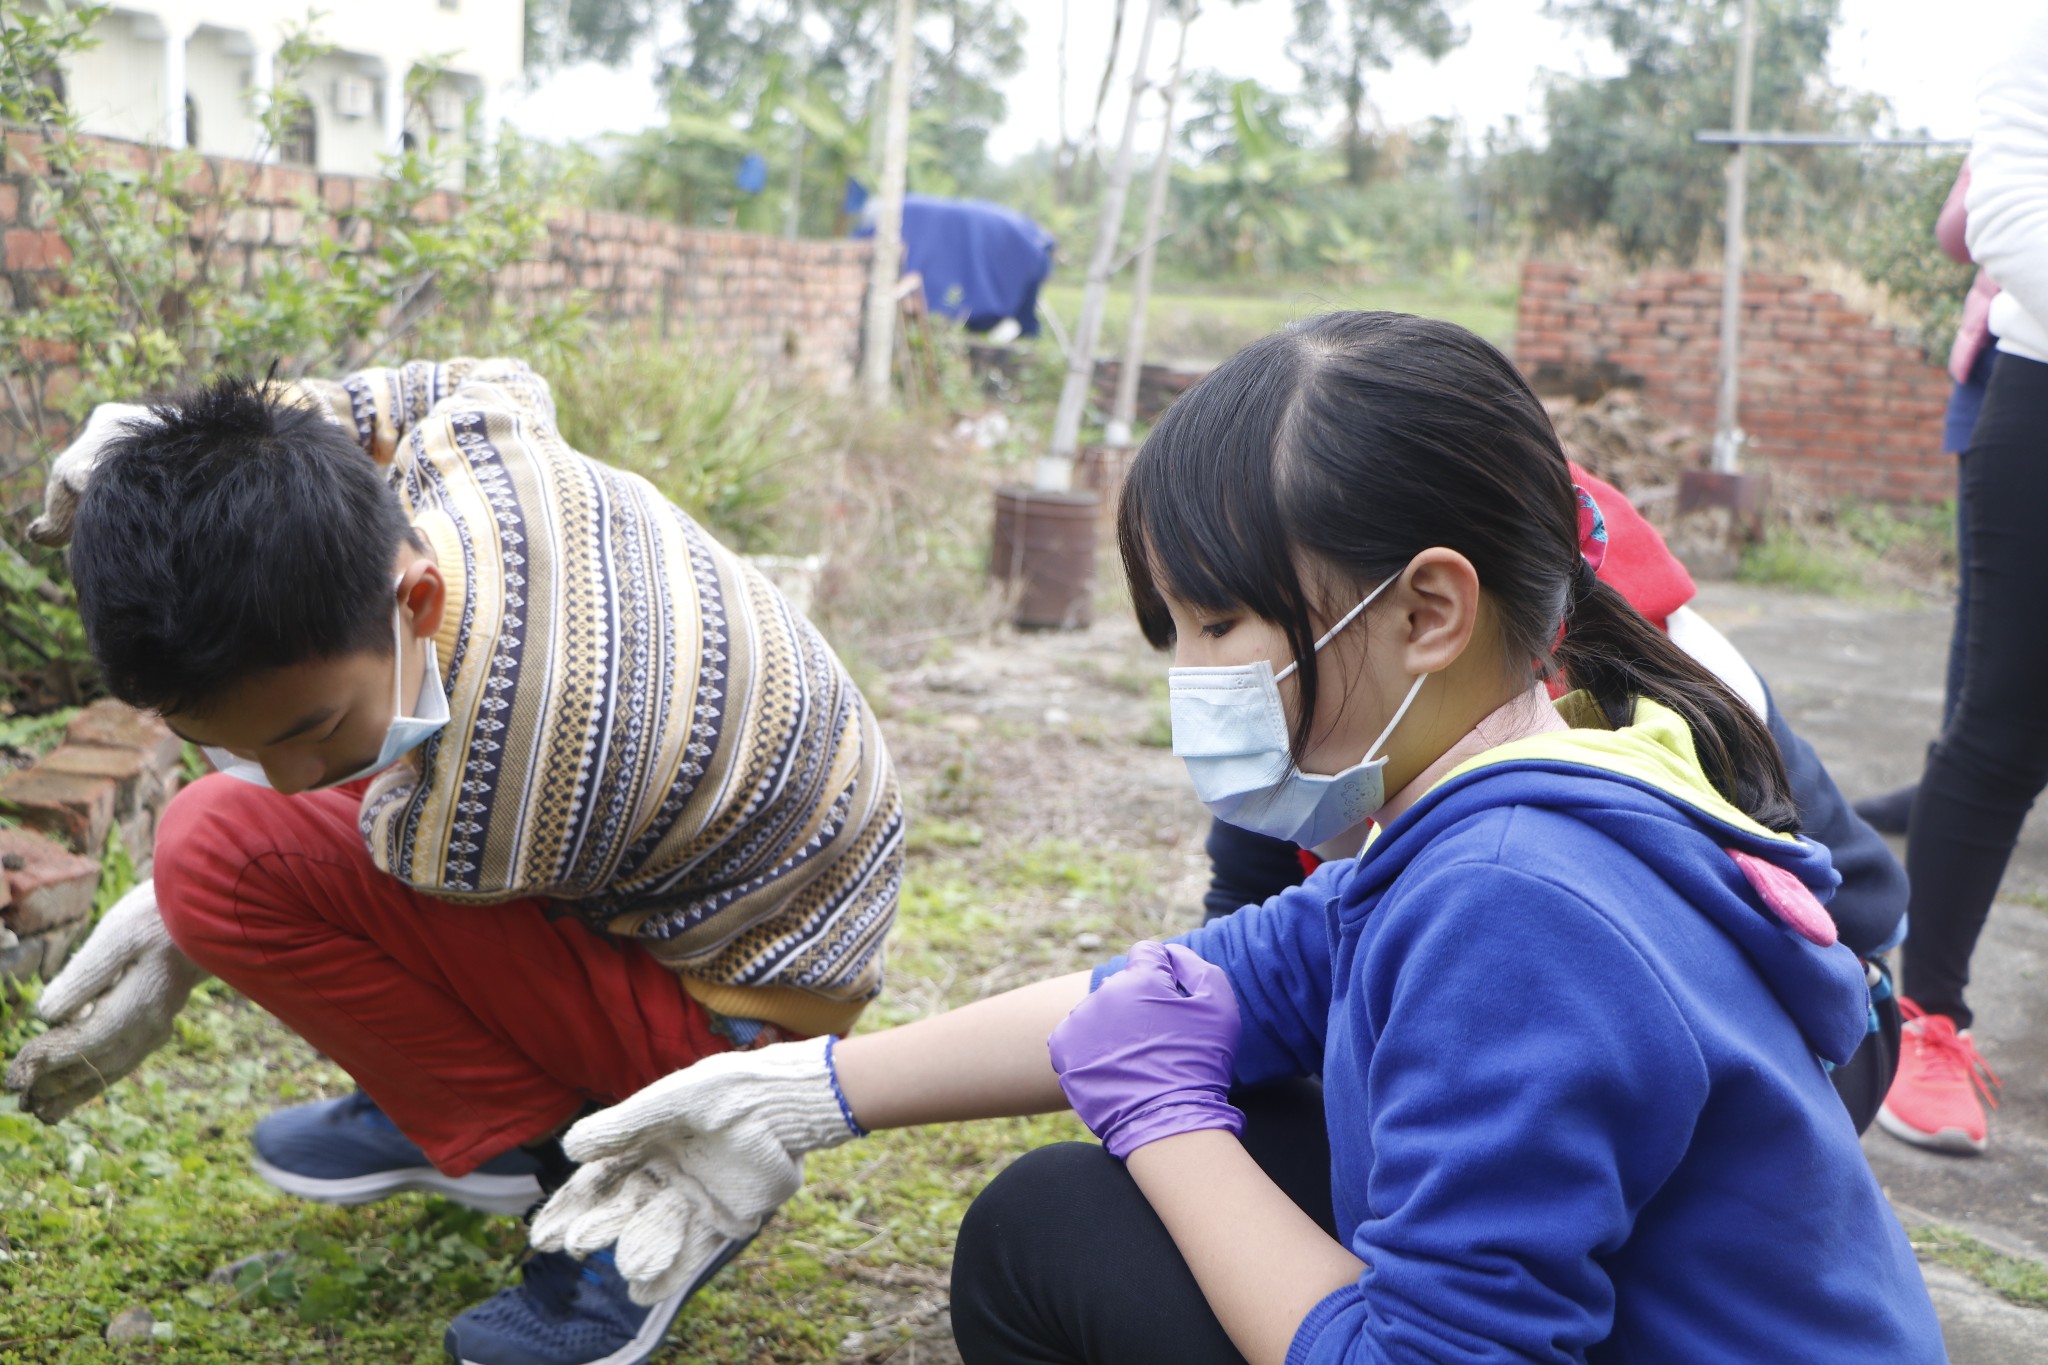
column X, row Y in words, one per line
column 981, row 262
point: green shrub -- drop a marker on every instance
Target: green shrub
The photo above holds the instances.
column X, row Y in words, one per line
column 714, row 437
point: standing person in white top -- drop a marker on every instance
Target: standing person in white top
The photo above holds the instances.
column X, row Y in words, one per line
column 1992, row 760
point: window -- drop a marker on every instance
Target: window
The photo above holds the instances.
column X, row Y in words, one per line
column 300, row 145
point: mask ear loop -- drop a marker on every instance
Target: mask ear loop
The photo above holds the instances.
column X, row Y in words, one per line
column 397, row 651
column 1399, row 712
column 1342, row 622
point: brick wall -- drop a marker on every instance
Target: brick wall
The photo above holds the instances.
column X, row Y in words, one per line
column 794, row 307
column 1829, row 396
column 116, row 770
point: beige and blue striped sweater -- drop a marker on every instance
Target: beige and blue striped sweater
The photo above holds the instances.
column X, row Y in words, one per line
column 641, row 726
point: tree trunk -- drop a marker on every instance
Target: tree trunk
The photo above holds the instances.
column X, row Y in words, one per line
column 1358, row 158
column 1063, row 155
column 1056, row 469
column 1123, row 414
column 878, row 340
column 792, row 221
column 1091, row 149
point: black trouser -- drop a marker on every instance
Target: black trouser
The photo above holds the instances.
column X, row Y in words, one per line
column 1061, row 1259
column 1992, row 760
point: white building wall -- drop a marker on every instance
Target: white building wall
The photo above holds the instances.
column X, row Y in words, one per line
column 119, row 88
column 219, row 76
column 353, row 146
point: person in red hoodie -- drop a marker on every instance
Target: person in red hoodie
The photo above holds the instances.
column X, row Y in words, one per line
column 1870, row 907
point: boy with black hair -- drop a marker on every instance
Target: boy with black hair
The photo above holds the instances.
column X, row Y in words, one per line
column 531, row 793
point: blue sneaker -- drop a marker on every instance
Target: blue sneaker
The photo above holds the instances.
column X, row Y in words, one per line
column 570, row 1312
column 347, row 1151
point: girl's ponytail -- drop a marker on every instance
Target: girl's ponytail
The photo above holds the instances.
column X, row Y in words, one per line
column 1611, row 652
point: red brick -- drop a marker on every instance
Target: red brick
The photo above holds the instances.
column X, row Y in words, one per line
column 136, row 783
column 28, row 249
column 40, row 351
column 112, row 725
column 51, row 887
column 10, row 203
column 77, row 810
column 25, row 154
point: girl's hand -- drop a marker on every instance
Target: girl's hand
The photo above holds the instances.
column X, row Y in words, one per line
column 1148, row 1056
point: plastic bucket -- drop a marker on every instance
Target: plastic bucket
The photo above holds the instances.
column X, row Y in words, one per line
column 1043, row 552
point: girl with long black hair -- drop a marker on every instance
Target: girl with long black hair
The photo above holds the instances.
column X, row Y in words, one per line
column 1571, row 1006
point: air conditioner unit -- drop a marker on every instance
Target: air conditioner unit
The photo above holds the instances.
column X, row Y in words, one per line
column 447, row 109
column 354, row 96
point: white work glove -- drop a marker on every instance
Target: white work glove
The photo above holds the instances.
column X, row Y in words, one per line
column 112, row 1005
column 72, row 470
column 695, row 1161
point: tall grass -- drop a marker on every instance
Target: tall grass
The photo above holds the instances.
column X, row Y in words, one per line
column 896, row 504
column 719, row 441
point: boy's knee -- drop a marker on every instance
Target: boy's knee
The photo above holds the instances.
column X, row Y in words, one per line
column 202, row 848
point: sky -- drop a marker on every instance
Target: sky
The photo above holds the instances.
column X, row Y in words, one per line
column 1929, row 69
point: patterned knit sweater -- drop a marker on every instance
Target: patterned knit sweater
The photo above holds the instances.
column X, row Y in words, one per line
column 641, row 726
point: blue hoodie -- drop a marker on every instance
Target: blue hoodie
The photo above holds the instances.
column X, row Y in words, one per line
column 1573, row 1073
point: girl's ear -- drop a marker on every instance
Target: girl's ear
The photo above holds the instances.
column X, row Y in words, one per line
column 1440, row 590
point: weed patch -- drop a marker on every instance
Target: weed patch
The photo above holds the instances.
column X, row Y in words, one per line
column 2024, row 1282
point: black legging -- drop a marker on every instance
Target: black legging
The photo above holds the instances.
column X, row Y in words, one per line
column 1992, row 761
column 1061, row 1260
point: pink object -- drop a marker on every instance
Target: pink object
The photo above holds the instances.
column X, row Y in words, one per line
column 1974, row 333
column 1787, row 897
column 1938, row 1098
column 1950, row 222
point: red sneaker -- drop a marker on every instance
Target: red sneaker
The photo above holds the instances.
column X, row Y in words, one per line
column 1937, row 1100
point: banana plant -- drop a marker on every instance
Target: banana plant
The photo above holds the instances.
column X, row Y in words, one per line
column 1252, row 196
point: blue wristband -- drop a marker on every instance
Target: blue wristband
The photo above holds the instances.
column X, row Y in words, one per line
column 832, row 1074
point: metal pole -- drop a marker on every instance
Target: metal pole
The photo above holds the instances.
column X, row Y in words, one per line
column 1727, row 434
column 878, row 343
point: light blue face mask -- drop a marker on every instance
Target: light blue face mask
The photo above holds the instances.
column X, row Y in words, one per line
column 404, row 734
column 1231, row 730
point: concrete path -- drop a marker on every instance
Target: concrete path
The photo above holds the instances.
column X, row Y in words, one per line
column 1864, row 685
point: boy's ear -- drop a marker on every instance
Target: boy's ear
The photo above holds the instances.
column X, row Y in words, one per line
column 423, row 595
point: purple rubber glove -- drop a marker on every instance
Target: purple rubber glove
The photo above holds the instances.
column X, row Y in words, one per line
column 1148, row 1055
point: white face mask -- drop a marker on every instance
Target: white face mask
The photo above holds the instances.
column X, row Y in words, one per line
column 1230, row 728
column 401, row 737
